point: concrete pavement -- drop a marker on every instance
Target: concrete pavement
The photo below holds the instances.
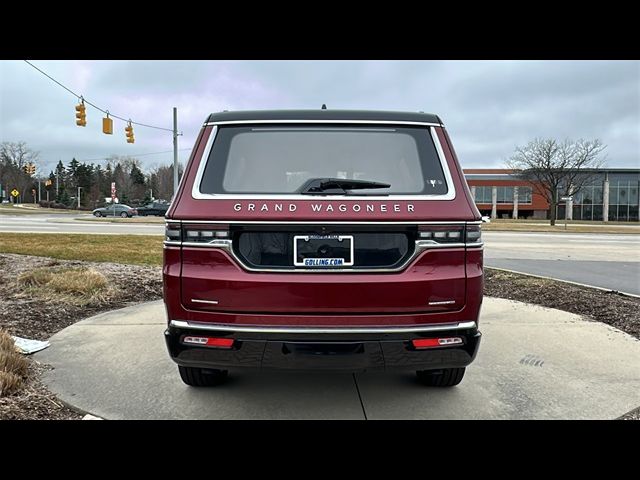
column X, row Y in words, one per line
column 534, row 363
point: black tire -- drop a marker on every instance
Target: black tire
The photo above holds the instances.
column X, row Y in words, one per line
column 446, row 377
column 97, row 214
column 124, row 215
column 196, row 377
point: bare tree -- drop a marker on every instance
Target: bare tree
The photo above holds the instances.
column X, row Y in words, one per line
column 554, row 168
column 13, row 157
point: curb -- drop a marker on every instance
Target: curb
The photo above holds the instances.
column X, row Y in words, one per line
column 607, row 290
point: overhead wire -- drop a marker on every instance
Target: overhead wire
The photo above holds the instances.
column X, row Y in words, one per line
column 107, row 112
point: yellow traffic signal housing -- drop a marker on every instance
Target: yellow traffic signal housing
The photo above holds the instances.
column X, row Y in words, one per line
column 129, row 132
column 29, row 168
column 107, row 126
column 81, row 115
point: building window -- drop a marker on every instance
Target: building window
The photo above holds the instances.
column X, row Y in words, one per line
column 524, row 194
column 483, row 194
column 505, row 195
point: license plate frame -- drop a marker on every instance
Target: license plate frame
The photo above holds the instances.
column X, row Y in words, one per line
column 323, row 262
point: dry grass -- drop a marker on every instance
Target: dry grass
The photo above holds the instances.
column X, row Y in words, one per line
column 79, row 286
column 132, row 249
column 9, row 383
column 13, row 366
column 13, row 362
column 6, row 342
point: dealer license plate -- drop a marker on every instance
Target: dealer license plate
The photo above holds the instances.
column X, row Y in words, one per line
column 323, row 251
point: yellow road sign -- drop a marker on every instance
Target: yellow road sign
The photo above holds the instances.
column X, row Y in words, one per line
column 15, row 192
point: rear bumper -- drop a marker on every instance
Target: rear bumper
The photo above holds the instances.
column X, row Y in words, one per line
column 345, row 349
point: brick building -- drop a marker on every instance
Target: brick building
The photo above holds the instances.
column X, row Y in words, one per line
column 610, row 195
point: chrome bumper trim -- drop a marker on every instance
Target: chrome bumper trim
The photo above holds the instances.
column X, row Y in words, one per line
column 218, row 327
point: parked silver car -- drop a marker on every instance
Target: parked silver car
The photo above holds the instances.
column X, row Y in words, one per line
column 118, row 209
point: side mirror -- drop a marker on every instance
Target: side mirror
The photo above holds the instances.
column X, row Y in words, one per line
column 486, row 219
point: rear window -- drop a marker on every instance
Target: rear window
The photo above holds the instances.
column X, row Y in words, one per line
column 280, row 159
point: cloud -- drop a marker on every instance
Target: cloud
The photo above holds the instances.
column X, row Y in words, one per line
column 489, row 107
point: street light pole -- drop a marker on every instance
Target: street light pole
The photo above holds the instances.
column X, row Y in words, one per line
column 79, row 188
column 175, row 151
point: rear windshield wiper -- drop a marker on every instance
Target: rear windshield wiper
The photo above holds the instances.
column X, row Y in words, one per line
column 336, row 186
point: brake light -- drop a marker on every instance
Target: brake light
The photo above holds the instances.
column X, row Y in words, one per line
column 209, row 341
column 420, row 343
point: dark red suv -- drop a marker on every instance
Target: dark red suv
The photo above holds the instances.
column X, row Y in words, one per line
column 323, row 239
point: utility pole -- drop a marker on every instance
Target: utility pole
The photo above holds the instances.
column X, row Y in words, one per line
column 79, row 188
column 57, row 183
column 39, row 194
column 175, row 151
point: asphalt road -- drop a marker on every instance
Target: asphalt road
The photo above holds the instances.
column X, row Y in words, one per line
column 115, row 365
column 603, row 260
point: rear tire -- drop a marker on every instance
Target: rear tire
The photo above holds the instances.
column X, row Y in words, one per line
column 196, row 377
column 97, row 214
column 124, row 215
column 446, row 377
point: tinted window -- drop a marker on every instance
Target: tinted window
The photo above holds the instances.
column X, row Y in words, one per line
column 280, row 159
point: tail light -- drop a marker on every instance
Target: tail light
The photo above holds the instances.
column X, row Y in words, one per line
column 441, row 233
column 445, row 234
column 473, row 234
column 209, row 341
column 197, row 233
column 422, row 343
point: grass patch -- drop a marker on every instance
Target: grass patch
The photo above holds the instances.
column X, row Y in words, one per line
column 79, row 286
column 9, row 209
column 13, row 366
column 132, row 249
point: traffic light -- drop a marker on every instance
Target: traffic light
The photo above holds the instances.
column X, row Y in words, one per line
column 81, row 116
column 107, row 125
column 29, row 168
column 129, row 131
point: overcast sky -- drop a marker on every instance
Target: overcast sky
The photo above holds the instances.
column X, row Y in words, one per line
column 489, row 107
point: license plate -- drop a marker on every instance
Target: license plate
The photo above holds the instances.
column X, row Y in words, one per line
column 323, row 251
